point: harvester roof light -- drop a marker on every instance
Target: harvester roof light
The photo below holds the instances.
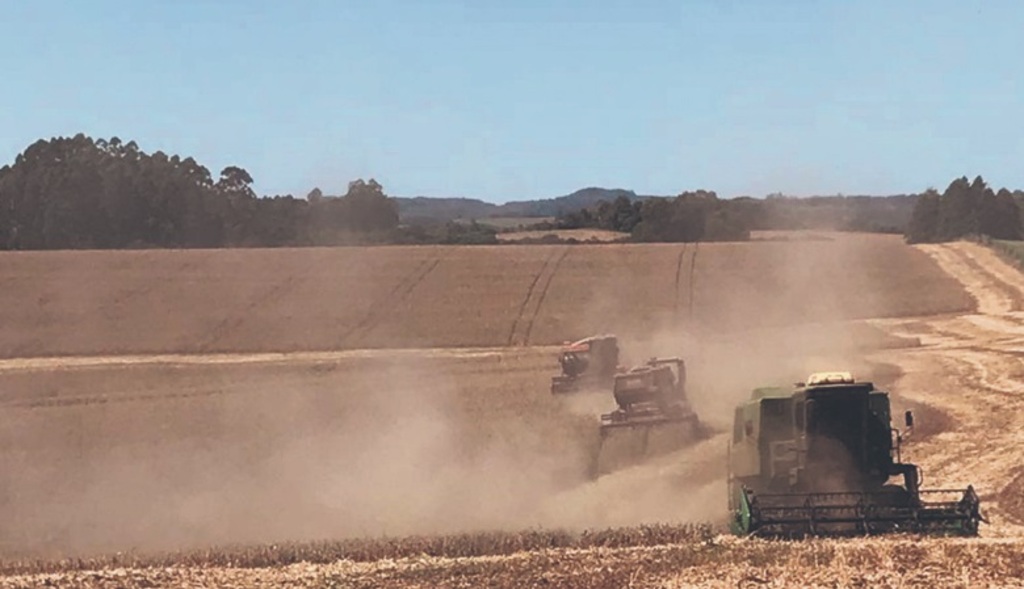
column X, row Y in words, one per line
column 819, row 378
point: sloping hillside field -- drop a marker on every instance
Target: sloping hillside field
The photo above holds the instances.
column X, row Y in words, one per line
column 130, row 302
column 371, row 417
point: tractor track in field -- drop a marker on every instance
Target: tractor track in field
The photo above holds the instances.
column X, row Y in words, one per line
column 228, row 325
column 526, row 299
column 988, row 283
column 679, row 274
column 109, row 309
column 380, row 309
column 691, row 281
column 1010, row 294
column 531, row 295
column 543, row 295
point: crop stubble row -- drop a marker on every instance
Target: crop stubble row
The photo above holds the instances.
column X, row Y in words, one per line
column 636, row 562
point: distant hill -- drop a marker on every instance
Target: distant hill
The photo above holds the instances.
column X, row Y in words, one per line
column 421, row 208
column 553, row 207
column 887, row 214
column 442, row 209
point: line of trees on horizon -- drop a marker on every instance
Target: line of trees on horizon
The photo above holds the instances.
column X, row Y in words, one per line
column 700, row 215
column 965, row 209
column 81, row 193
column 692, row 216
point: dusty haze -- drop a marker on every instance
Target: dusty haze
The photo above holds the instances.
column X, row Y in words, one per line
column 154, row 456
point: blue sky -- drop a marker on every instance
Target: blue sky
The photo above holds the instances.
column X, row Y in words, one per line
column 533, row 98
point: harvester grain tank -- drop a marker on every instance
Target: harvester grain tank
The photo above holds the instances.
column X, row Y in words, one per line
column 651, row 403
column 823, row 459
column 588, row 363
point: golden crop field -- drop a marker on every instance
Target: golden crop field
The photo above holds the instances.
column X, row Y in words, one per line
column 202, row 301
column 383, row 416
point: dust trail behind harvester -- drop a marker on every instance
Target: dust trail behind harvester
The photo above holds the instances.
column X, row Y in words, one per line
column 329, row 451
column 772, row 336
column 391, row 450
column 689, row 484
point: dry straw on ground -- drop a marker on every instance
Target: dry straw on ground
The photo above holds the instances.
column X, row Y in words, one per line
column 632, row 560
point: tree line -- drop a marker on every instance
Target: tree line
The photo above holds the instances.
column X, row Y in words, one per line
column 76, row 193
column 965, row 209
column 701, row 216
column 692, row 216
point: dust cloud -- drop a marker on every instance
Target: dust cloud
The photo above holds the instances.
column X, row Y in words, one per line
column 777, row 335
column 393, row 452
column 793, row 315
column 395, row 448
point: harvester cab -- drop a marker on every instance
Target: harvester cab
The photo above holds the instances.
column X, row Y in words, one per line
column 652, row 403
column 589, row 361
column 823, row 459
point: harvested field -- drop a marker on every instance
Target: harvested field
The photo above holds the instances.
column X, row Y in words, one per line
column 713, row 562
column 310, row 424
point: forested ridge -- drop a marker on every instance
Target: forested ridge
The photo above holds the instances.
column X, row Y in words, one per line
column 83, row 193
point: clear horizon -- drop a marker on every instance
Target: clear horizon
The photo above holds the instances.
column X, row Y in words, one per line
column 534, row 99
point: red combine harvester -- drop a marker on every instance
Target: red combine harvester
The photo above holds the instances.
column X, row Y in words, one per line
column 589, row 363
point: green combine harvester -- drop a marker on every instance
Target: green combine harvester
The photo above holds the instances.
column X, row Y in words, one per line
column 821, row 460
